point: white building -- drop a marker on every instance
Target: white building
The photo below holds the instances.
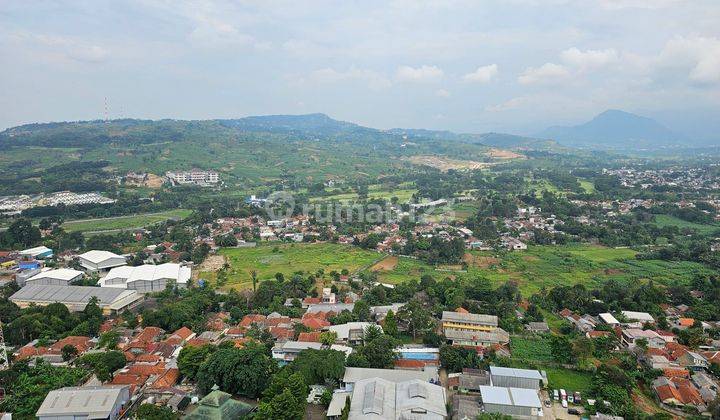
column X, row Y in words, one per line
column 147, row 278
column 100, row 260
column 638, row 316
column 91, row 402
column 59, row 277
column 194, row 176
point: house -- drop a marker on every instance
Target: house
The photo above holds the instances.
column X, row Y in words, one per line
column 96, row 260
column 515, row 402
column 288, row 351
column 630, row 335
column 352, row 332
column 76, row 298
column 93, row 402
column 706, row 385
column 146, row 278
column 383, row 399
column 642, row 317
column 466, row 322
column 477, row 338
column 608, row 318
column 58, row 277
column 516, row 378
column 218, row 405
column 692, row 360
column 677, row 391
column 514, row 244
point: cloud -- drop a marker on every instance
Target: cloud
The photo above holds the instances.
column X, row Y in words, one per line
column 423, row 73
column 374, row 80
column 699, row 56
column 547, row 73
column 509, row 105
column 589, row 59
column 442, row 93
column 63, row 48
column 483, row 74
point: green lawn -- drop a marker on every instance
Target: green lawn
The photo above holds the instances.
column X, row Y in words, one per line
column 663, row 220
column 531, row 349
column 552, row 266
column 124, row 222
column 569, row 380
column 269, row 259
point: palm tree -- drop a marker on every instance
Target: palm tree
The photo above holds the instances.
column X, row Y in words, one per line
column 253, row 274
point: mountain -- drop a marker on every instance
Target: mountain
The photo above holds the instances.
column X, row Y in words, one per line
column 502, row 140
column 615, row 129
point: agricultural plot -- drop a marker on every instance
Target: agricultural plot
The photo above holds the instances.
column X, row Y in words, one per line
column 112, row 224
column 531, row 349
column 551, row 266
column 663, row 220
column 267, row 260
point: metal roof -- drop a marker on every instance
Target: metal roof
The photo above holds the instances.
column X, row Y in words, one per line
column 518, row 373
column 519, row 397
column 148, row 272
column 355, row 374
column 96, row 256
column 60, row 274
column 470, row 318
column 70, row 294
column 96, row 402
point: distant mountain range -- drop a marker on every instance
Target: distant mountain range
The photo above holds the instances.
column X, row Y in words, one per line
column 615, row 129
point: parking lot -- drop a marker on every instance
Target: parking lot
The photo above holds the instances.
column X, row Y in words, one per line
column 556, row 410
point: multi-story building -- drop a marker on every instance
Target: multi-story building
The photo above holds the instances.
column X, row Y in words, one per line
column 194, row 176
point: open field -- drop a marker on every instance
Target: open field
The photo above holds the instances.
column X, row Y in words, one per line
column 551, row 266
column 569, row 380
column 124, row 222
column 267, row 260
column 403, row 195
column 663, row 220
column 445, row 164
column 532, row 349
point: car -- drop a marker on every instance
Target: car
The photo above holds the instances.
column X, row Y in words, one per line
column 564, row 403
column 573, row 411
column 547, row 403
column 556, row 395
column 570, row 399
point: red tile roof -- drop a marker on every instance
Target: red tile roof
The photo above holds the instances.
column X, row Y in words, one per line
column 184, row 333
column 686, row 322
column 282, row 333
column 309, row 337
column 197, row 342
column 167, row 379
column 82, row 344
column 676, row 373
column 315, row 323
column 248, row 320
column 409, row 364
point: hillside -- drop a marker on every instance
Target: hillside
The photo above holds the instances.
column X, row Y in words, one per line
column 615, row 129
column 248, row 152
column 488, row 139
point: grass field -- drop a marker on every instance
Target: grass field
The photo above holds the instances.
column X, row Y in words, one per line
column 403, row 194
column 663, row 220
column 551, row 266
column 124, row 222
column 531, row 349
column 268, row 260
column 569, row 380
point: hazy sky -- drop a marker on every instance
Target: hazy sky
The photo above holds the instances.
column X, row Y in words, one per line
column 507, row 65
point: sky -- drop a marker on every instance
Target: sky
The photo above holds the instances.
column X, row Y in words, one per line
column 514, row 66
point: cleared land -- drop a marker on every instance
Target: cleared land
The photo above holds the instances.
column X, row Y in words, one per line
column 663, row 220
column 267, row 260
column 124, row 222
column 551, row 266
column 445, row 164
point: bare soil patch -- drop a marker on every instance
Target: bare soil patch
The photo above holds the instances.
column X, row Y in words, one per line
column 479, row 261
column 503, row 154
column 212, row 263
column 386, row 264
column 445, row 164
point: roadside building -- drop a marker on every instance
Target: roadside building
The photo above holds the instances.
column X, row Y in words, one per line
column 351, row 332
column 39, row 252
column 516, row 402
column 100, row 260
column 516, row 378
column 59, row 277
column 75, row 298
column 93, row 402
column 287, row 352
column 463, row 328
column 147, row 278
column 630, row 336
column 379, row 398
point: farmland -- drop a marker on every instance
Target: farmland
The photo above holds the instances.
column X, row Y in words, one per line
column 663, row 220
column 551, row 266
column 124, row 222
column 267, row 260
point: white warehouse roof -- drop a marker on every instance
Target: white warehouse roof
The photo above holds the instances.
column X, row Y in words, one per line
column 518, row 373
column 518, row 397
column 147, row 272
column 96, row 256
column 638, row 316
column 66, row 274
column 93, row 402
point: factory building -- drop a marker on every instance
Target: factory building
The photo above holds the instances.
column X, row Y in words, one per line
column 91, row 402
column 516, row 402
column 76, row 298
column 59, row 277
column 100, row 260
column 516, row 378
column 146, row 278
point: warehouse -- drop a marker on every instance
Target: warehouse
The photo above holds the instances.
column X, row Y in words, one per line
column 146, row 278
column 516, row 402
column 75, row 298
column 515, row 378
column 100, row 260
column 59, row 277
column 91, row 402
column 39, row 252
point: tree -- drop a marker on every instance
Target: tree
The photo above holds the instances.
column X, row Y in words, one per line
column 319, row 366
column 191, row 359
column 282, row 382
column 416, row 318
column 376, row 353
column 246, row 371
column 328, row 337
column 253, row 275
column 390, row 324
column 361, row 310
column 455, row 359
column 23, row 233
column 153, row 412
column 561, row 349
column 102, row 364
column 283, row 406
column 68, row 352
